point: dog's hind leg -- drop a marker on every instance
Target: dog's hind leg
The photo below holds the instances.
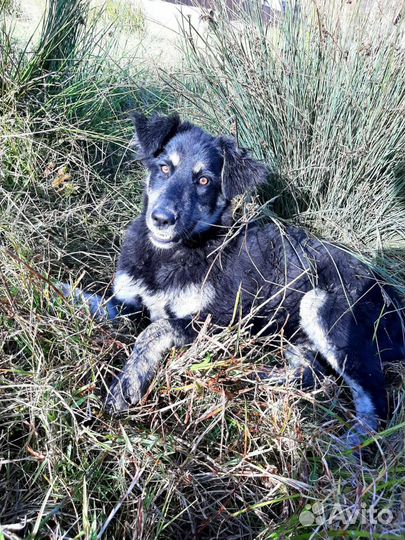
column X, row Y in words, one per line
column 304, row 368
column 309, row 371
column 344, row 343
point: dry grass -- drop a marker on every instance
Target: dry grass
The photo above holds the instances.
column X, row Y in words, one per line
column 213, row 451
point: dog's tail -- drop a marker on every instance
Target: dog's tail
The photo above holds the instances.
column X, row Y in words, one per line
column 102, row 308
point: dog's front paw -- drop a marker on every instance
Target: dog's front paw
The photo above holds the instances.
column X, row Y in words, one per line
column 128, row 389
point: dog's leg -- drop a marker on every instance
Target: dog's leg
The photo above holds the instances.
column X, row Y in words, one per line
column 331, row 328
column 100, row 308
column 304, row 371
column 151, row 346
column 309, row 372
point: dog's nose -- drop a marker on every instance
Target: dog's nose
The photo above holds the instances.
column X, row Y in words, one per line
column 163, row 218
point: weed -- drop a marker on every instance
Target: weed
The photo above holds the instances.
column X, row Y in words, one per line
column 128, row 15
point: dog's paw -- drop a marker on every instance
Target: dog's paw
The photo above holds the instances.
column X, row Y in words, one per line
column 127, row 390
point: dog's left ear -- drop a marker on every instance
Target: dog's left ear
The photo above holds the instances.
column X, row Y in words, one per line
column 240, row 172
column 154, row 132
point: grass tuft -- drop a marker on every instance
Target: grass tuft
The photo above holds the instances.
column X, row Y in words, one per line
column 129, row 16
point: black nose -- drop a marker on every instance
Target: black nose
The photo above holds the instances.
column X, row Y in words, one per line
column 163, row 218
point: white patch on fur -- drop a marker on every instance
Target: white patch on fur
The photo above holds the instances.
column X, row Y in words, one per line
column 198, row 167
column 174, row 158
column 192, row 299
column 311, row 322
column 165, row 236
column 365, row 410
column 182, row 302
column 125, row 288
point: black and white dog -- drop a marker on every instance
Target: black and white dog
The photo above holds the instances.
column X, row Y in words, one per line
column 179, row 262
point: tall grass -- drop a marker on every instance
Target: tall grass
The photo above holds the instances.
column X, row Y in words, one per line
column 65, row 133
column 63, row 29
column 213, row 452
column 129, row 16
column 64, row 184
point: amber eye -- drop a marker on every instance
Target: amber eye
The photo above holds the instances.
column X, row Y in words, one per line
column 165, row 169
column 203, row 181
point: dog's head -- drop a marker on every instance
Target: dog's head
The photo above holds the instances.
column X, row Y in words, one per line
column 192, row 177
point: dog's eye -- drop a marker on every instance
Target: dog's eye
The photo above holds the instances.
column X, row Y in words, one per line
column 203, row 181
column 165, row 169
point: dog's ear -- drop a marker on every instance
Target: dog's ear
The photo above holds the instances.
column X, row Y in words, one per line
column 240, row 172
column 151, row 134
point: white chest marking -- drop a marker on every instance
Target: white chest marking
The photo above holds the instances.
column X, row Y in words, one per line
column 183, row 302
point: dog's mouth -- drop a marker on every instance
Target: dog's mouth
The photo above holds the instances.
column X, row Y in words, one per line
column 172, row 236
column 166, row 240
column 163, row 241
column 162, row 244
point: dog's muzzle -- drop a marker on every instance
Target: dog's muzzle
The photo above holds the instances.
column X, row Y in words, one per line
column 161, row 224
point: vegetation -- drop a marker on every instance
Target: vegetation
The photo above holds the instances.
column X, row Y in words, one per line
column 9, row 6
column 212, row 452
column 127, row 16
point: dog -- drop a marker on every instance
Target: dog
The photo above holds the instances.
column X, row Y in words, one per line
column 180, row 263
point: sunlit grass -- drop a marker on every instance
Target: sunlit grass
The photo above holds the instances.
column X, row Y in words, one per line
column 213, row 452
column 128, row 16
